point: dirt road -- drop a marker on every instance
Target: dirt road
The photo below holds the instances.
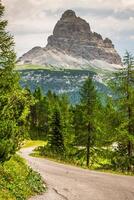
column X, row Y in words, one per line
column 66, row 182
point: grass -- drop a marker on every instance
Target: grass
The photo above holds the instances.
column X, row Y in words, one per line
column 33, row 143
column 30, row 66
column 37, row 67
column 37, row 154
column 96, row 167
column 18, row 181
column 54, row 68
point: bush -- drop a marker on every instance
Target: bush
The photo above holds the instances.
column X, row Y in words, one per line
column 18, row 181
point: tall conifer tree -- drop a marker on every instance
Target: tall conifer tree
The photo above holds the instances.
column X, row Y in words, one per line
column 124, row 92
column 56, row 139
column 13, row 101
column 86, row 117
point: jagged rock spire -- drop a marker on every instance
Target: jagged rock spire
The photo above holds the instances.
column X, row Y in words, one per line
column 73, row 35
column 68, row 14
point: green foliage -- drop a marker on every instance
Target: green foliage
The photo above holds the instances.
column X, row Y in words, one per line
column 123, row 86
column 13, row 123
column 56, row 139
column 86, row 115
column 18, row 181
column 40, row 116
column 42, row 111
column 14, row 102
column 33, row 143
column 90, row 133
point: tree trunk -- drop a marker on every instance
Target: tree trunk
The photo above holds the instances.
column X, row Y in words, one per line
column 129, row 146
column 88, row 144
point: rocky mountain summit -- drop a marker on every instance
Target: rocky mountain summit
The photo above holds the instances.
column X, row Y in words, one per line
column 72, row 44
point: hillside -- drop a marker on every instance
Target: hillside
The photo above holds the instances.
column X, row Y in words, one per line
column 63, row 81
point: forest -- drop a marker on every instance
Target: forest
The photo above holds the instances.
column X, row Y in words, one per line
column 92, row 133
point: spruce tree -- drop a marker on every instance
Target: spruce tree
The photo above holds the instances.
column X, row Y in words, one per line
column 56, row 140
column 8, row 78
column 14, row 106
column 40, row 116
column 66, row 119
column 86, row 117
column 123, row 85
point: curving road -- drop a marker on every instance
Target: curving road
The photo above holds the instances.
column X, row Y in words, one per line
column 66, row 182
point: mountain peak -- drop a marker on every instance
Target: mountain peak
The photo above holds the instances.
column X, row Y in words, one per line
column 73, row 37
column 69, row 26
column 68, row 14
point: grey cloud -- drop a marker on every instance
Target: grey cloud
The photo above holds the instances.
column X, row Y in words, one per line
column 125, row 14
column 119, row 14
column 20, row 30
column 30, row 18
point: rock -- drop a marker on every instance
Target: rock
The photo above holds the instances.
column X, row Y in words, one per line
column 72, row 35
column 68, row 14
column 29, row 57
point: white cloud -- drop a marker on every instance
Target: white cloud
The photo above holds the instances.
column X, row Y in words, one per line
column 131, row 37
column 128, row 3
column 26, row 42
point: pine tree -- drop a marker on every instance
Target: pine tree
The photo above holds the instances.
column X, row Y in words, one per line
column 66, row 118
column 14, row 106
column 40, row 116
column 85, row 117
column 56, row 140
column 124, row 92
column 7, row 58
column 129, row 81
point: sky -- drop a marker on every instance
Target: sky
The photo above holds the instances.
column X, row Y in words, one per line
column 32, row 21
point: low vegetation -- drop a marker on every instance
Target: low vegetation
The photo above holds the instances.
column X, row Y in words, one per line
column 99, row 164
column 33, row 143
column 18, row 181
column 30, row 66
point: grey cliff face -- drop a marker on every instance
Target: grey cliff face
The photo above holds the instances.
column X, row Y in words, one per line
column 74, row 36
column 72, row 39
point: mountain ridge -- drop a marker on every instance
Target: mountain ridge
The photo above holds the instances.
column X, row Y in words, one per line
column 72, row 44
